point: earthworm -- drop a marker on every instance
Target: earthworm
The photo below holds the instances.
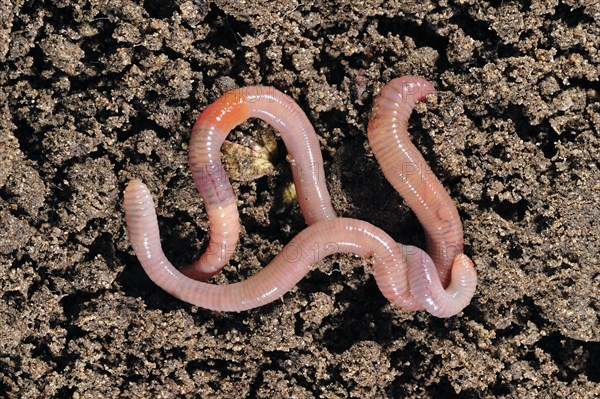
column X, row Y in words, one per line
column 406, row 275
column 290, row 265
column 208, row 134
column 404, row 167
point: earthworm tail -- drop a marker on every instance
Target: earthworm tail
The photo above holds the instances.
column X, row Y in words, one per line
column 404, row 167
column 208, row 134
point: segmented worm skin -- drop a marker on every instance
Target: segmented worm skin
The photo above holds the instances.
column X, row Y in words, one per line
column 392, row 262
column 209, row 133
column 404, row 167
column 285, row 270
column 406, row 275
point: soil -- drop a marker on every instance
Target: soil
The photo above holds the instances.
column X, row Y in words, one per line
column 96, row 93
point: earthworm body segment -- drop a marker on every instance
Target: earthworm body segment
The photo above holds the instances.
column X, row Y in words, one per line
column 406, row 275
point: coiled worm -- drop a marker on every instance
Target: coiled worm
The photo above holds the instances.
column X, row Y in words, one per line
column 406, row 275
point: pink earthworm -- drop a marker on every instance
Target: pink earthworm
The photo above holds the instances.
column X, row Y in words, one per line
column 291, row 264
column 209, row 133
column 404, row 167
column 406, row 275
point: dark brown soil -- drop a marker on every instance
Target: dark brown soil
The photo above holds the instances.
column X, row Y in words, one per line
column 95, row 93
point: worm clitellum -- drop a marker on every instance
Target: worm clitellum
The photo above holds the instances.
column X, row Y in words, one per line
column 406, row 275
